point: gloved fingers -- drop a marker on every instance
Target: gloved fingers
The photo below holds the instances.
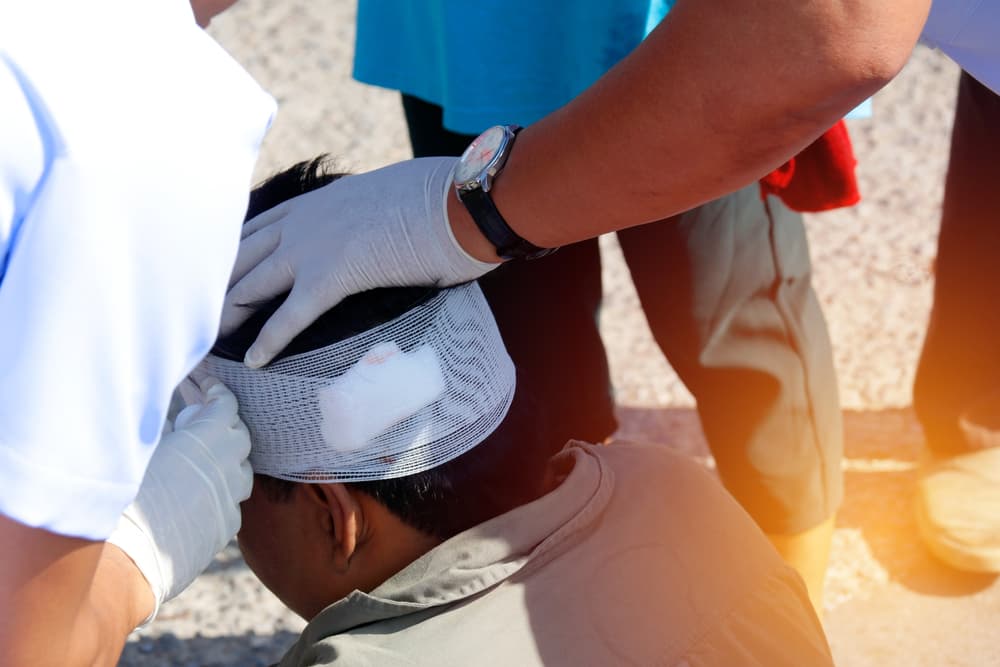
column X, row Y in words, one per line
column 239, row 480
column 207, row 382
column 265, row 281
column 220, row 407
column 217, row 463
column 218, row 394
column 264, row 219
column 221, row 452
column 241, row 435
column 299, row 310
column 254, row 249
column 233, row 521
column 242, row 490
column 189, row 390
column 193, row 390
column 184, row 417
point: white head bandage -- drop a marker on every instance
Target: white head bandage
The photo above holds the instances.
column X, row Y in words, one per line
column 398, row 399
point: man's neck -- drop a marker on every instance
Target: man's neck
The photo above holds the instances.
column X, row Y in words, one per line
column 388, row 546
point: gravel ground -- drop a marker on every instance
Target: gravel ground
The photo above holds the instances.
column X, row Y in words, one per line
column 888, row 602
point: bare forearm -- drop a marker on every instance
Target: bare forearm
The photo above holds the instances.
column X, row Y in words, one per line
column 119, row 600
column 65, row 601
column 720, row 94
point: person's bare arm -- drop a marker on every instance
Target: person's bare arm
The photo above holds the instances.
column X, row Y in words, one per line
column 119, row 600
column 721, row 93
column 66, row 601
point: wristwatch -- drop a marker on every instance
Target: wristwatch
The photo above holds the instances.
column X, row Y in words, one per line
column 479, row 166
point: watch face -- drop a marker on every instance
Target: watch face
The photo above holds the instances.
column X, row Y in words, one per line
column 480, row 154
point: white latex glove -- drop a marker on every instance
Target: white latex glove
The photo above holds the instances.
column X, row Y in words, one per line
column 385, row 228
column 188, row 507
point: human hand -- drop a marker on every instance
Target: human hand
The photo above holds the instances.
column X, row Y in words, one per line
column 188, row 507
column 384, row 228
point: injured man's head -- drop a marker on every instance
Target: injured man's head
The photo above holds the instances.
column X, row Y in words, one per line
column 404, row 504
column 384, row 428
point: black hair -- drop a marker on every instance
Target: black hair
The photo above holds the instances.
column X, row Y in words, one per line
column 499, row 474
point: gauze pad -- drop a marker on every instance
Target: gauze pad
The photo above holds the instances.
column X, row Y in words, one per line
column 385, row 387
column 398, row 399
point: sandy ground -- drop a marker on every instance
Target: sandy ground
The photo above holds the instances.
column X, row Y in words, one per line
column 888, row 602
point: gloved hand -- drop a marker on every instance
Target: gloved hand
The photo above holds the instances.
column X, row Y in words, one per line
column 188, row 507
column 385, row 228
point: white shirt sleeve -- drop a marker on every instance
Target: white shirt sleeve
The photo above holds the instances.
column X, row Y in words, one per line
column 118, row 261
column 22, row 156
column 968, row 31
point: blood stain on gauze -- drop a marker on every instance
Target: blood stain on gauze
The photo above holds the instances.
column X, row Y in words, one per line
column 383, row 388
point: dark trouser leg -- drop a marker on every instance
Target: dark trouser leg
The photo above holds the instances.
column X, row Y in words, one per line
column 546, row 310
column 726, row 289
column 960, row 362
column 737, row 319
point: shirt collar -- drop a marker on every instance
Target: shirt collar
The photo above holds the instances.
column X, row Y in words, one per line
column 486, row 555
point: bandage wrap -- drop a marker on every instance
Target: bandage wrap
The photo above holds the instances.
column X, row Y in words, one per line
column 398, row 399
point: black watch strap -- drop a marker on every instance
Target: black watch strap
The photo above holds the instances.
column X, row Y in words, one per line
column 508, row 243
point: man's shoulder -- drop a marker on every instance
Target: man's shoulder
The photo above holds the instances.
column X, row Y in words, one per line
column 679, row 499
column 631, row 462
column 675, row 547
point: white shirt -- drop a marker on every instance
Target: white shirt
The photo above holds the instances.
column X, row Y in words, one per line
column 126, row 147
column 968, row 31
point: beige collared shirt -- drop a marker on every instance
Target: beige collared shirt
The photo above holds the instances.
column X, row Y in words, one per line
column 638, row 557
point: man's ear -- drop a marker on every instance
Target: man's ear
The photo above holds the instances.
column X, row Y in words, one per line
column 342, row 519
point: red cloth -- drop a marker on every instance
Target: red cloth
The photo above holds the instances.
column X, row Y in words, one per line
column 819, row 178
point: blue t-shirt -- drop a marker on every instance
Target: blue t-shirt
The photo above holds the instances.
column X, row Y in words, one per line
column 968, row 31
column 538, row 55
